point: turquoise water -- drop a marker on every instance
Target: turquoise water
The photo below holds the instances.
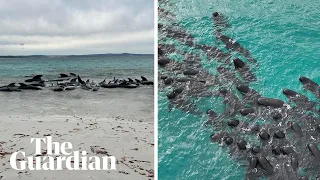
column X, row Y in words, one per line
column 99, row 67
column 284, row 36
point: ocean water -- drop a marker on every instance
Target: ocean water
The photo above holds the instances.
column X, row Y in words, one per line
column 135, row 104
column 104, row 66
column 284, row 36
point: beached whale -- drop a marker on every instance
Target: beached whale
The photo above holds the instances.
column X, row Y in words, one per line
column 119, row 84
column 39, row 83
column 102, row 82
column 145, row 81
column 58, row 88
column 72, row 82
column 109, row 85
column 5, row 89
column 131, row 81
column 36, row 78
column 70, row 87
column 10, row 87
column 80, row 80
column 63, row 77
column 127, row 85
column 28, row 87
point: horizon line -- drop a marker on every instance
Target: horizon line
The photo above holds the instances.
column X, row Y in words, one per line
column 78, row 54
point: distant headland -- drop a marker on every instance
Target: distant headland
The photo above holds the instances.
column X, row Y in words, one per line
column 87, row 55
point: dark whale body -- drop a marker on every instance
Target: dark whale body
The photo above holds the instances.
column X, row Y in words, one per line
column 299, row 99
column 246, row 111
column 234, row 45
column 283, row 131
column 265, row 164
column 314, row 151
column 310, row 85
column 270, row 102
column 28, row 87
column 244, row 70
column 9, row 88
column 264, row 135
column 163, row 62
column 35, row 79
column 253, row 163
column 242, row 144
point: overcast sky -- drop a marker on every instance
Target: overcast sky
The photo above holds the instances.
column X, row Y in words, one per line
column 60, row 27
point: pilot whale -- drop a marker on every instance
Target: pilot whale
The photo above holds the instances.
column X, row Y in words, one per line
column 310, row 85
column 234, row 45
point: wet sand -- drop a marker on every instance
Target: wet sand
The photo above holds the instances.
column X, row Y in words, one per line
column 117, row 122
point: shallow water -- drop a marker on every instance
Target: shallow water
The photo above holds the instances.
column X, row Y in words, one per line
column 283, row 36
column 107, row 66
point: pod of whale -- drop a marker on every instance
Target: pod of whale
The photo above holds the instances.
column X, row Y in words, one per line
column 275, row 138
column 71, row 82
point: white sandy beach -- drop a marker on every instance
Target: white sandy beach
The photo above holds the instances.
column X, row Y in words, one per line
column 117, row 122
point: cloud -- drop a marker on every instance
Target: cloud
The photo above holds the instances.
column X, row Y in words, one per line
column 70, row 26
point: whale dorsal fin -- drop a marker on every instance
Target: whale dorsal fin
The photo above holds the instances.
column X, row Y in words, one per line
column 63, row 75
column 37, row 76
column 73, row 74
column 80, row 80
column 144, row 79
column 137, row 80
column 74, row 80
column 130, row 80
column 11, row 84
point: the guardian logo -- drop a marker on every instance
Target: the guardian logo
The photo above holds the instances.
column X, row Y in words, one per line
column 59, row 157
